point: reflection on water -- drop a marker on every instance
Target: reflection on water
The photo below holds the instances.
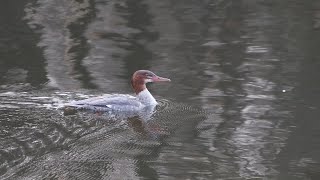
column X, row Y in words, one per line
column 21, row 59
column 61, row 25
column 243, row 102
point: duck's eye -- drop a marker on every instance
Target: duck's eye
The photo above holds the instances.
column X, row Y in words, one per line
column 149, row 76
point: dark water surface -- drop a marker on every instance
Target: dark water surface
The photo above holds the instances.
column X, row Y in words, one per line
column 244, row 101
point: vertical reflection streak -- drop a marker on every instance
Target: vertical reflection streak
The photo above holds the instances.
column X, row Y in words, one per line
column 61, row 25
column 254, row 142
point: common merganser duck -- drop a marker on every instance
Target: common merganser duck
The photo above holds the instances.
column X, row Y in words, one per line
column 121, row 102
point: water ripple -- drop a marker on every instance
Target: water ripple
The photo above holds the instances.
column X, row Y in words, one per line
column 64, row 147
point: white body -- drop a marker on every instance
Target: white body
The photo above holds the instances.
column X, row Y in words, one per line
column 117, row 102
column 146, row 98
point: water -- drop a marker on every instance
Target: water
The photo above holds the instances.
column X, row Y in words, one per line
column 243, row 102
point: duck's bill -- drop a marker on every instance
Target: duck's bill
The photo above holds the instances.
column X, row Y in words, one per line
column 160, row 79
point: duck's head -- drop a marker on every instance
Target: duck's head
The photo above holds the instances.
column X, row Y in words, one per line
column 141, row 77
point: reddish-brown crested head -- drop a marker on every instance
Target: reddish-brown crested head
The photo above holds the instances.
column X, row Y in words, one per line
column 141, row 77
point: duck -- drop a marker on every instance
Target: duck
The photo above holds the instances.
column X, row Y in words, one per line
column 121, row 102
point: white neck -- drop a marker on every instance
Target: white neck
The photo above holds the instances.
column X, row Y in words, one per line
column 146, row 98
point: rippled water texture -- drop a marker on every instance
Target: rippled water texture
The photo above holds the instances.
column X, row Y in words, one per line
column 243, row 102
